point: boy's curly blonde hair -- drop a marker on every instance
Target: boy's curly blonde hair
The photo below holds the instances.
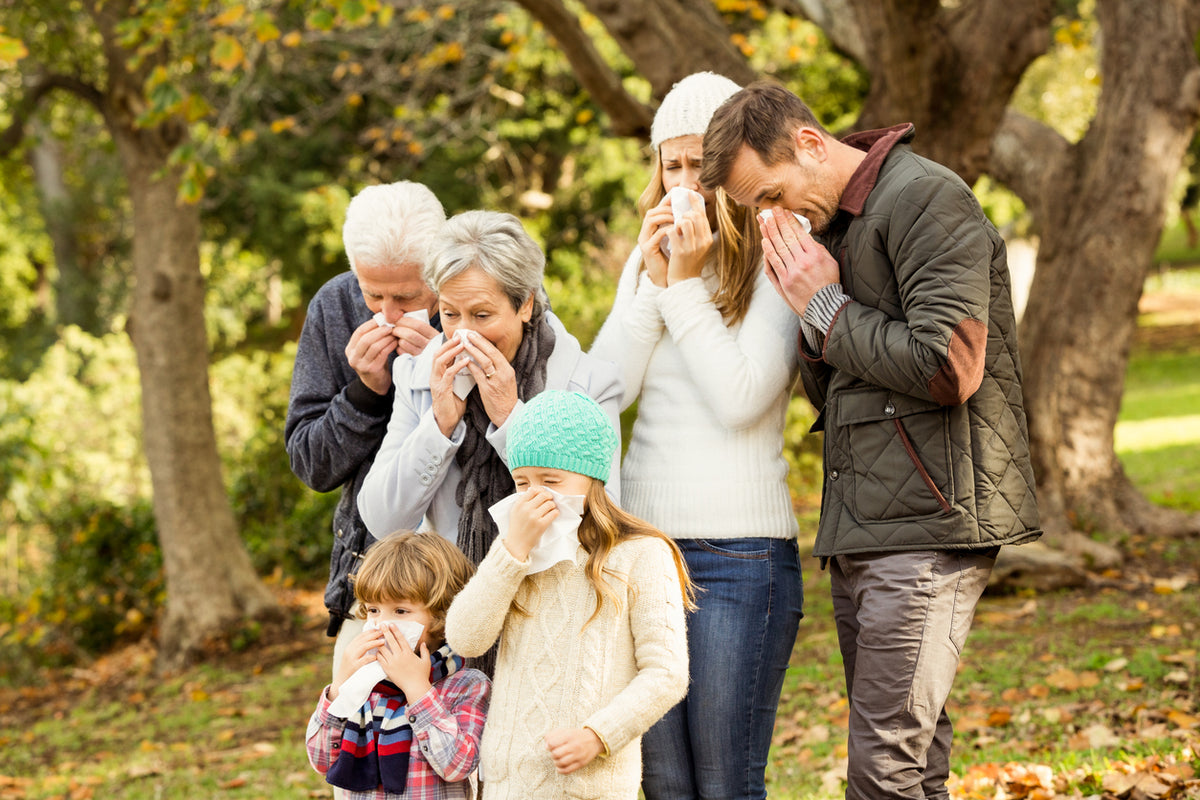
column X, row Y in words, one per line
column 418, row 567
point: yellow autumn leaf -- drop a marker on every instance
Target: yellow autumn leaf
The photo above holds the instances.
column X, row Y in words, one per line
column 293, row 39
column 285, row 124
column 227, row 52
column 230, row 16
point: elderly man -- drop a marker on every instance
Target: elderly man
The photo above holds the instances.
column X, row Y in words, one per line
column 341, row 395
column 910, row 355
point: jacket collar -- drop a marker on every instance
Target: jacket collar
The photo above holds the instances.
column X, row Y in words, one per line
column 878, row 144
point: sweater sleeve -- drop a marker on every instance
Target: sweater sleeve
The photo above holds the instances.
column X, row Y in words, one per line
column 332, row 426
column 941, row 254
column 741, row 370
column 633, row 327
column 476, row 617
column 412, row 462
column 658, row 623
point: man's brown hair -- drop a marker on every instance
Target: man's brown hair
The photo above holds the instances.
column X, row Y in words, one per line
column 764, row 115
column 418, row 567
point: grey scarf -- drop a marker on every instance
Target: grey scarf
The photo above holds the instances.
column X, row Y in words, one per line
column 485, row 477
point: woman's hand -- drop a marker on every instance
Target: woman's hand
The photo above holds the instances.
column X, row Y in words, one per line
column 448, row 409
column 358, row 653
column 691, row 240
column 654, row 231
column 530, row 517
column 572, row 748
column 496, row 378
column 407, row 669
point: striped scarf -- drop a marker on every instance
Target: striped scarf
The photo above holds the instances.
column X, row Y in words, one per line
column 378, row 737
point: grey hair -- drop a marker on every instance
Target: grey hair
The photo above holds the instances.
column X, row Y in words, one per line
column 496, row 243
column 392, row 224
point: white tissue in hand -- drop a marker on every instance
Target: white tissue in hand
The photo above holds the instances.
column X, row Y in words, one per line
column 803, row 220
column 421, row 314
column 357, row 688
column 681, row 203
column 561, row 539
column 464, row 381
column 381, row 320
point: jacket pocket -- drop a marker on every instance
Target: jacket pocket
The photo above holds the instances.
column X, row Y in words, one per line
column 899, row 451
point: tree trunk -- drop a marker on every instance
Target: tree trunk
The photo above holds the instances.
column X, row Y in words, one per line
column 75, row 287
column 950, row 69
column 1099, row 206
column 211, row 585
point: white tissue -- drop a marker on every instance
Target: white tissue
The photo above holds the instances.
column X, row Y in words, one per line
column 464, row 381
column 561, row 539
column 381, row 320
column 681, row 203
column 357, row 688
column 804, row 221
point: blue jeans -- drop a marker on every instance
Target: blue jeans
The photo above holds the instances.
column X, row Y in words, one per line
column 714, row 743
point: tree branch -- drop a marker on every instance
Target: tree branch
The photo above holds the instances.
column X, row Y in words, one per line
column 1021, row 149
column 28, row 104
column 629, row 116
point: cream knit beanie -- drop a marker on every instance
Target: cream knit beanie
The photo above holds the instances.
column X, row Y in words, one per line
column 688, row 107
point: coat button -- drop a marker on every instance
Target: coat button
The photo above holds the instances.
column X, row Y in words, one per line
column 436, row 459
column 425, row 479
column 833, row 475
column 889, row 409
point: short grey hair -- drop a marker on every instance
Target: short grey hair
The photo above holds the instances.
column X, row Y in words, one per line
column 392, row 224
column 496, row 243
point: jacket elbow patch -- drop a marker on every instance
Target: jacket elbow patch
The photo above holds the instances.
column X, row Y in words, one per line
column 962, row 373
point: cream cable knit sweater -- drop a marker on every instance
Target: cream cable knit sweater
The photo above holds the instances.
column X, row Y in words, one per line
column 616, row 675
column 705, row 457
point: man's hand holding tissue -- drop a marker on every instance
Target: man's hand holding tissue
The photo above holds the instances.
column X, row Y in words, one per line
column 531, row 517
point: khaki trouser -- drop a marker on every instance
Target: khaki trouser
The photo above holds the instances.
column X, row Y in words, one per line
column 902, row 621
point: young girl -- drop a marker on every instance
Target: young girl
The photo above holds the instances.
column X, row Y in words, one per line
column 588, row 603
column 398, row 719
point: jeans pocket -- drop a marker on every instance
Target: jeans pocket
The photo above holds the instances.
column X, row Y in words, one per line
column 752, row 549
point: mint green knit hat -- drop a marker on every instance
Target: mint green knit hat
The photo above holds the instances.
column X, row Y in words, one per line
column 563, row 430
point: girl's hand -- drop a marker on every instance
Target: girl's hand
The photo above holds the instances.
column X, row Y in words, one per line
column 655, row 228
column 357, row 654
column 407, row 669
column 496, row 378
column 572, row 748
column 691, row 240
column 447, row 408
column 530, row 518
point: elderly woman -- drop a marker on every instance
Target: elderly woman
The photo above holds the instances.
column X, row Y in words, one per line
column 442, row 459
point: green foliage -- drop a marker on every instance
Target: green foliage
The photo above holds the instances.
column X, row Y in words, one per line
column 285, row 525
column 102, row 584
column 1062, row 87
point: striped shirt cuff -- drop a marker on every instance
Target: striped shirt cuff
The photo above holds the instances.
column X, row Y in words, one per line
column 819, row 314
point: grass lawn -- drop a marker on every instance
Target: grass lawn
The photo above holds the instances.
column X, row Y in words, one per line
column 1086, row 693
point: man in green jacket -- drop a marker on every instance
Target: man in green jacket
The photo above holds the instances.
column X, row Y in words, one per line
column 910, row 358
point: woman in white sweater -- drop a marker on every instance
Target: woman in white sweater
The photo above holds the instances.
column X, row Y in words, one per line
column 709, row 350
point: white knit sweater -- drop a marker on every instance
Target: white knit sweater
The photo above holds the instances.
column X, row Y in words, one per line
column 616, row 675
column 705, row 459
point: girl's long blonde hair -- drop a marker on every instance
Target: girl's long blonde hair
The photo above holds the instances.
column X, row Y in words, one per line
column 739, row 247
column 605, row 524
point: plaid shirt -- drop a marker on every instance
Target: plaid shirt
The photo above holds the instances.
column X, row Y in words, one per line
column 447, row 724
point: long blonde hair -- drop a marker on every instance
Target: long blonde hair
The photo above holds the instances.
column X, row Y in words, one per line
column 605, row 524
column 739, row 245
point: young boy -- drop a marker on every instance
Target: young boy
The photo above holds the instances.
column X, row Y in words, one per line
column 402, row 716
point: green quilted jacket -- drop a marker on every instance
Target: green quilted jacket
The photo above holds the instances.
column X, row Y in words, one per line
column 918, row 387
